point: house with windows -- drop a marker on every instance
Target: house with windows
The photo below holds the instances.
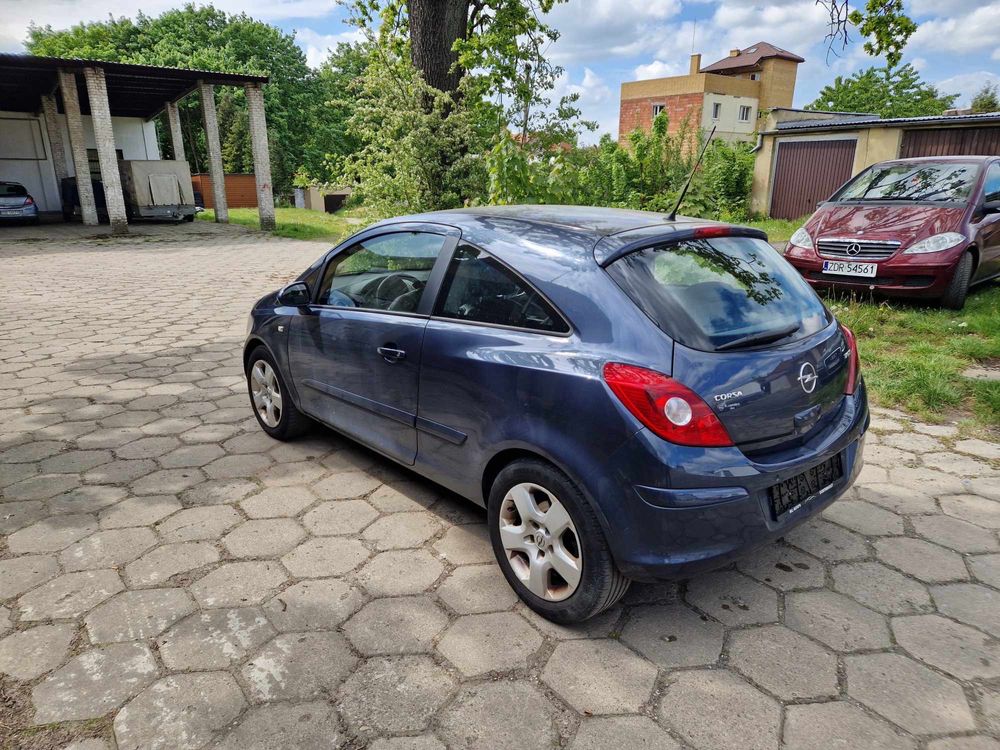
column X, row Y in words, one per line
column 728, row 95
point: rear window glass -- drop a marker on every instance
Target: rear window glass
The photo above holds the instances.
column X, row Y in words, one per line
column 12, row 191
column 946, row 181
column 720, row 293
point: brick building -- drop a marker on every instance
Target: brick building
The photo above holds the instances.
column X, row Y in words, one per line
column 728, row 94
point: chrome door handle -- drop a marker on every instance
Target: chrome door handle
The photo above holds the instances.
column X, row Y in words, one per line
column 390, row 355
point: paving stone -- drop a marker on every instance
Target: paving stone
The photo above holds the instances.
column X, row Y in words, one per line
column 673, row 635
column 6, row 623
column 167, row 481
column 219, row 492
column 51, row 534
column 956, row 463
column 979, row 449
column 402, row 625
column 32, row 452
column 180, row 712
column 496, row 715
column 474, row 589
column 237, row 584
column 346, row 485
column 74, row 462
column 639, row 732
column 478, row 644
column 214, row 639
column 400, row 497
column 41, row 487
column 828, row 541
column 986, row 568
column 784, row 568
column 599, row 676
column 394, row 694
column 121, row 471
column 880, row 588
column 974, row 509
column 278, row 502
column 836, row 620
column 716, row 710
column 964, row 743
column 600, row 626
column 94, row 683
column 88, row 499
column 263, row 538
column 20, row 574
column 733, row 599
column 956, row 534
column 988, row 487
column 70, row 595
column 989, row 704
column 839, row 725
column 280, row 727
column 339, row 517
column 198, row 523
column 400, row 572
column 162, row 563
column 959, row 650
column 148, row 447
column 137, row 615
column 326, row 556
column 299, row 666
column 898, row 499
column 293, row 473
column 864, row 518
column 923, row 560
column 17, row 515
column 784, row 663
column 90, row 744
column 402, row 530
column 108, row 549
column 969, row 603
column 317, row 604
column 27, row 654
column 139, row 511
column 423, row 742
column 465, row 545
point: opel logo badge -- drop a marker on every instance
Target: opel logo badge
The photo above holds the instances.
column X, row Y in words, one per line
column 807, row 377
column 854, row 248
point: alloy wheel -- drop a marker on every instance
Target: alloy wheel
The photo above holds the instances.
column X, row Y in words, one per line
column 266, row 393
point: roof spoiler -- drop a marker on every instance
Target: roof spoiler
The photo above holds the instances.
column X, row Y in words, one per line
column 672, row 237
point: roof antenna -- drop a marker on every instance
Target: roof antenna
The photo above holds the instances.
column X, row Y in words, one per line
column 672, row 216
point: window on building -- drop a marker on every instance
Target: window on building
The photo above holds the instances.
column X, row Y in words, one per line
column 657, row 108
column 744, row 113
column 716, row 110
column 755, row 76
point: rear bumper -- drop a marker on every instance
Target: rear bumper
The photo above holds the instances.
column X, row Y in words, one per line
column 901, row 275
column 711, row 506
column 19, row 214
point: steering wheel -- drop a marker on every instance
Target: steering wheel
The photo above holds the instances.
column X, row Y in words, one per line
column 408, row 282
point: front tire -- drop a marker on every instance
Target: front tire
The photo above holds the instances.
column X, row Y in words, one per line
column 276, row 414
column 550, row 545
column 954, row 296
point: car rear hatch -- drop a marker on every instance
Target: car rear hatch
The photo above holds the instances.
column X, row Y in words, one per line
column 752, row 339
column 12, row 195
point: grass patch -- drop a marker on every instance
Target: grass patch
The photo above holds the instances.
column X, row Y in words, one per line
column 298, row 223
column 913, row 354
column 778, row 230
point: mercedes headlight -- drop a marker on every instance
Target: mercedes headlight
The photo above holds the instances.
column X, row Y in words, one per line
column 936, row 244
column 801, row 238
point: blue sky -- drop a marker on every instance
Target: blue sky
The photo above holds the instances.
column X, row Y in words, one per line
column 606, row 42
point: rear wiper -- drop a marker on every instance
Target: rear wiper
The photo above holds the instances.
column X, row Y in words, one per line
column 765, row 337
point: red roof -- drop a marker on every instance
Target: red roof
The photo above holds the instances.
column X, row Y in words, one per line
column 751, row 57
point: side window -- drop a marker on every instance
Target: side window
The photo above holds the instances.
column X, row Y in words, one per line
column 387, row 272
column 480, row 289
column 991, row 188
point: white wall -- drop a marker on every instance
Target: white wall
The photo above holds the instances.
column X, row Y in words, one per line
column 729, row 126
column 135, row 137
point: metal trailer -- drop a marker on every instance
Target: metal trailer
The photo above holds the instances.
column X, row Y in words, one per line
column 157, row 189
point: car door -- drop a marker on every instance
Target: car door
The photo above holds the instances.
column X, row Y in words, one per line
column 989, row 225
column 355, row 352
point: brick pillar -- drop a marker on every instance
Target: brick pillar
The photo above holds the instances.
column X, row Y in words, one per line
column 176, row 136
column 100, row 116
column 261, row 155
column 78, row 146
column 51, row 112
column 207, row 92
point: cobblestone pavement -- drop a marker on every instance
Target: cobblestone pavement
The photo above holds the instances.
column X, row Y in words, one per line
column 172, row 578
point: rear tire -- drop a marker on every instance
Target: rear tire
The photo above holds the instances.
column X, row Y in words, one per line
column 954, row 296
column 270, row 400
column 600, row 584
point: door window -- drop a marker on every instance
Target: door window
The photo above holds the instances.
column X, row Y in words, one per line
column 478, row 288
column 386, row 272
column 991, row 189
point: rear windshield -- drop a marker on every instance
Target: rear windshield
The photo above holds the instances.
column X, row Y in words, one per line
column 10, row 190
column 721, row 293
column 946, row 181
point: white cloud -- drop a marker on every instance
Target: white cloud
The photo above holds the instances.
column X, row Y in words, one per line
column 594, row 29
column 316, row 45
column 656, row 69
column 963, row 33
column 967, row 85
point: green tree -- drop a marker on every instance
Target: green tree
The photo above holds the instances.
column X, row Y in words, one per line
column 882, row 23
column 986, row 99
column 888, row 92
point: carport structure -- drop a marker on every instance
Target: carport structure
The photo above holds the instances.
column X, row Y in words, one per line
column 49, row 86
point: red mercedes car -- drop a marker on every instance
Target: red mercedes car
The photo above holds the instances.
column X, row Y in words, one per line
column 927, row 227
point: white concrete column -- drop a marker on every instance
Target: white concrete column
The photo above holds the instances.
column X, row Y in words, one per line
column 176, row 136
column 211, row 121
column 104, row 135
column 78, row 146
column 261, row 155
column 51, row 112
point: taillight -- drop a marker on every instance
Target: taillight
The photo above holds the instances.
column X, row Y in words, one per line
column 668, row 408
column 853, row 361
column 29, row 201
column 704, row 233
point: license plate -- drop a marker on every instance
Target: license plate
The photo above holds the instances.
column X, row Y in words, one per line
column 9, row 212
column 850, row 268
column 787, row 496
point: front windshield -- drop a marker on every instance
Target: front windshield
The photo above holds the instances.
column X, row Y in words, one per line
column 942, row 181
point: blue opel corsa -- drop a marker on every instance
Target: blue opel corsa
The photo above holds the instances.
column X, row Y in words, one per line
column 631, row 397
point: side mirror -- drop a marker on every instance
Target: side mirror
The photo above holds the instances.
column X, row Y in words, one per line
column 991, row 207
column 294, row 294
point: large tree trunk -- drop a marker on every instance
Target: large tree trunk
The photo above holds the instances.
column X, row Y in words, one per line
column 435, row 26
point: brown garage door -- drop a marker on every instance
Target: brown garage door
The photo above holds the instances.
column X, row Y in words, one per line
column 951, row 142
column 807, row 172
